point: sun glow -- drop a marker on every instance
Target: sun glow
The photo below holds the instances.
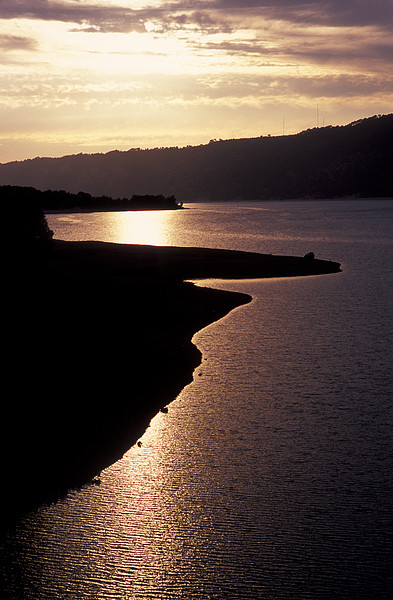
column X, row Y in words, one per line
column 144, row 227
column 78, row 71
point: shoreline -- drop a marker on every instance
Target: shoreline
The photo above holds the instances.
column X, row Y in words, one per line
column 79, row 210
column 101, row 341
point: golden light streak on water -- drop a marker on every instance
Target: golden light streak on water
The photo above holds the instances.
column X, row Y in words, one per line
column 153, row 227
column 144, row 227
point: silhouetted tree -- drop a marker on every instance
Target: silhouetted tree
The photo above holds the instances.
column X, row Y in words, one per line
column 31, row 226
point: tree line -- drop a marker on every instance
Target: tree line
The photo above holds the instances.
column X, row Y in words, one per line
column 62, row 200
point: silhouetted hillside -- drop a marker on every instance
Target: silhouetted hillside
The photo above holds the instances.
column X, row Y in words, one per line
column 350, row 160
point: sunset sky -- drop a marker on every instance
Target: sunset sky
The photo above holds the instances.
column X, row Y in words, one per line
column 97, row 75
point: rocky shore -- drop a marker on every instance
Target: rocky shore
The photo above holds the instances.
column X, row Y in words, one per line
column 98, row 340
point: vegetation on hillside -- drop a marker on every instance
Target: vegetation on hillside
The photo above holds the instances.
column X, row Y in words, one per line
column 351, row 160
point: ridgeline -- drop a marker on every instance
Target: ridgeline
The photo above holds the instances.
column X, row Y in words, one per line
column 329, row 162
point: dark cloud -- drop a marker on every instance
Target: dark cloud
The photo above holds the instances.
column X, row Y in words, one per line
column 90, row 17
column 334, row 51
column 320, row 12
column 207, row 15
column 102, row 18
column 17, row 42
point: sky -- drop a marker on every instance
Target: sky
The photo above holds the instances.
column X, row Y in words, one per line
column 98, row 75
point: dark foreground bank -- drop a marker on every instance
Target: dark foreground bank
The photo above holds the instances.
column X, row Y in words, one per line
column 99, row 340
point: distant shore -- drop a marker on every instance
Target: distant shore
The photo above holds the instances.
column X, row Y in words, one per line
column 101, row 340
column 62, row 201
column 77, row 210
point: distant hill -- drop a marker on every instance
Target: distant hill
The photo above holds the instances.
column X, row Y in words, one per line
column 351, row 160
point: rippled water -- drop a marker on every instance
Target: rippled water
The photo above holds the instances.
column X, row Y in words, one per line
column 271, row 475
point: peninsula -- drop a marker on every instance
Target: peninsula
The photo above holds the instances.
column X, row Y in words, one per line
column 100, row 340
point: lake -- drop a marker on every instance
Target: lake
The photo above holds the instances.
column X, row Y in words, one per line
column 270, row 477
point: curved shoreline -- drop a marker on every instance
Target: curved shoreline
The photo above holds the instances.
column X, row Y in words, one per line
column 102, row 342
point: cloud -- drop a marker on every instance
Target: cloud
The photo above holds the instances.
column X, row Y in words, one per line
column 104, row 18
column 198, row 68
column 333, row 50
column 332, row 13
column 17, row 42
column 91, row 17
column 321, row 32
column 206, row 15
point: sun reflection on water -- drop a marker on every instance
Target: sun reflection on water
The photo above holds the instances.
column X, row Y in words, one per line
column 143, row 227
column 152, row 227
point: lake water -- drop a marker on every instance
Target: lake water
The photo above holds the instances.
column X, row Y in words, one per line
column 271, row 475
